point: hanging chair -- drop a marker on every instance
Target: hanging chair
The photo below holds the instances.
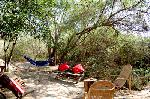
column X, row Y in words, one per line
column 38, row 63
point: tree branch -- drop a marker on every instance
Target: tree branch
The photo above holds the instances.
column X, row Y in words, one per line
column 120, row 19
column 88, row 29
column 124, row 9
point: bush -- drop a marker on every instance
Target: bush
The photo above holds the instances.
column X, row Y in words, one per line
column 33, row 47
column 140, row 78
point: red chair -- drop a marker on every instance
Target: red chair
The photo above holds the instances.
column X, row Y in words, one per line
column 12, row 85
column 66, row 73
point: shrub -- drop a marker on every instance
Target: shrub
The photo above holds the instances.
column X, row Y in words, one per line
column 33, row 47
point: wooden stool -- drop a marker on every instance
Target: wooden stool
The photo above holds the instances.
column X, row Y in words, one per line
column 87, row 83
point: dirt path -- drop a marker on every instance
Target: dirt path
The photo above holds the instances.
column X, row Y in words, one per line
column 46, row 87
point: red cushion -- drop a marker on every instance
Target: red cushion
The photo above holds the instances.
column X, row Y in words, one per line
column 63, row 67
column 78, row 69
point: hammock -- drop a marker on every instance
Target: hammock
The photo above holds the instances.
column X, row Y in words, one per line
column 38, row 63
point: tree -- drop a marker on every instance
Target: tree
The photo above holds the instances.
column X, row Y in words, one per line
column 90, row 15
column 13, row 23
column 62, row 24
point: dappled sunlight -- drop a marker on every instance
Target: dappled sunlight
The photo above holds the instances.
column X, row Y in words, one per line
column 45, row 86
column 79, row 39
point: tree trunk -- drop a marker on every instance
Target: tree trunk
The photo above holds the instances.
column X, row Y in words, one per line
column 6, row 55
column 51, row 55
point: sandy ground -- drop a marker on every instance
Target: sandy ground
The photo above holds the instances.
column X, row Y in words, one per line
column 46, row 87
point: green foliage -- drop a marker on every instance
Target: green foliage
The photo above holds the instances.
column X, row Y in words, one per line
column 128, row 3
column 13, row 23
column 12, row 17
column 140, row 78
column 78, row 31
column 101, row 52
column 34, row 48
